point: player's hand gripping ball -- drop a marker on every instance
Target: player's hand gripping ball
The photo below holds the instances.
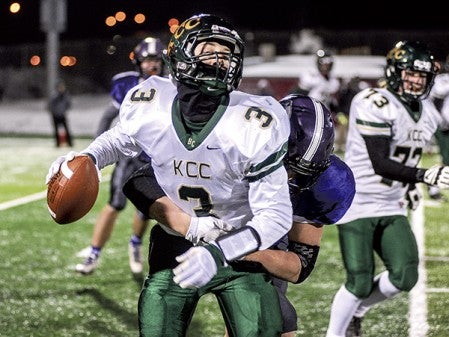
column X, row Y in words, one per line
column 72, row 191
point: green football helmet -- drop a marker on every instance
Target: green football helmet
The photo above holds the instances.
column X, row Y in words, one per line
column 414, row 56
column 190, row 69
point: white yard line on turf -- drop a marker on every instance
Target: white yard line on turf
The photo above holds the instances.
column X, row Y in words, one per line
column 32, row 197
column 23, row 200
column 417, row 296
column 438, row 290
column 438, row 258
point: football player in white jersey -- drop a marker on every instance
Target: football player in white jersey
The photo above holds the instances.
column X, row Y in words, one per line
column 215, row 151
column 321, row 189
column 388, row 129
column 321, row 84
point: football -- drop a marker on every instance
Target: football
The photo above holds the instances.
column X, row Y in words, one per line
column 72, row 191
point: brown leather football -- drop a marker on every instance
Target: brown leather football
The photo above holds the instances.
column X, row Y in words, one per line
column 72, row 191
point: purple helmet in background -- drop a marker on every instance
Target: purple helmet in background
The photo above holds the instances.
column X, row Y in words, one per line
column 149, row 48
column 311, row 140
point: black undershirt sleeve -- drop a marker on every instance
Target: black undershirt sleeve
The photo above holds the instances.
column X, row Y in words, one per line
column 142, row 189
column 378, row 151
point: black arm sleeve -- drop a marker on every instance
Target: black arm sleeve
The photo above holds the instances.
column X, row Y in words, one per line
column 379, row 151
column 142, row 189
column 106, row 120
column 438, row 102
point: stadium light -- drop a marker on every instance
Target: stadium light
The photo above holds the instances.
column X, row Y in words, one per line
column 120, row 16
column 14, row 7
column 139, row 18
column 35, row 60
column 110, row 21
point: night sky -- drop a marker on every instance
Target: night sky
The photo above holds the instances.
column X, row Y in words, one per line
column 85, row 18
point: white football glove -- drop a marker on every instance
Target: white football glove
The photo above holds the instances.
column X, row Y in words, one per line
column 413, row 197
column 196, row 268
column 437, row 175
column 55, row 166
column 206, row 229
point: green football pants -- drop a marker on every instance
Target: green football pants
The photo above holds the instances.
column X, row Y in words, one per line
column 392, row 238
column 248, row 301
column 443, row 143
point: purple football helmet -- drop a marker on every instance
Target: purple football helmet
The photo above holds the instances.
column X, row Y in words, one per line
column 149, row 48
column 311, row 140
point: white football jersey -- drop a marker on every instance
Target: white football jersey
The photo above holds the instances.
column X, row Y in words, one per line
column 231, row 168
column 440, row 90
column 319, row 87
column 378, row 112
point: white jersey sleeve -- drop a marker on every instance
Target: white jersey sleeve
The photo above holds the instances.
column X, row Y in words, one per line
column 445, row 115
column 273, row 215
column 440, row 91
column 440, row 87
column 263, row 143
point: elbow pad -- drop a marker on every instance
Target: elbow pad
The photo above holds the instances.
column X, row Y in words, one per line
column 307, row 254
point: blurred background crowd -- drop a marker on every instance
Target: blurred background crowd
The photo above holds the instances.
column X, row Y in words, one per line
column 93, row 40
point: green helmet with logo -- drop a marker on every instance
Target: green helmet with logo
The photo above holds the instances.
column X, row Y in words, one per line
column 414, row 56
column 188, row 68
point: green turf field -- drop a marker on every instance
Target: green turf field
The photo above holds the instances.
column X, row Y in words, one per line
column 42, row 296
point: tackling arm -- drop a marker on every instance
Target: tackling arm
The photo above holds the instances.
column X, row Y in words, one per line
column 323, row 203
column 143, row 190
column 292, row 266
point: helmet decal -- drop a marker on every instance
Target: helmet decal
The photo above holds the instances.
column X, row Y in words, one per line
column 317, row 135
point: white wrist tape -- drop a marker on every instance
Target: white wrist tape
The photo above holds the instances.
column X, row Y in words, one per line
column 239, row 243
